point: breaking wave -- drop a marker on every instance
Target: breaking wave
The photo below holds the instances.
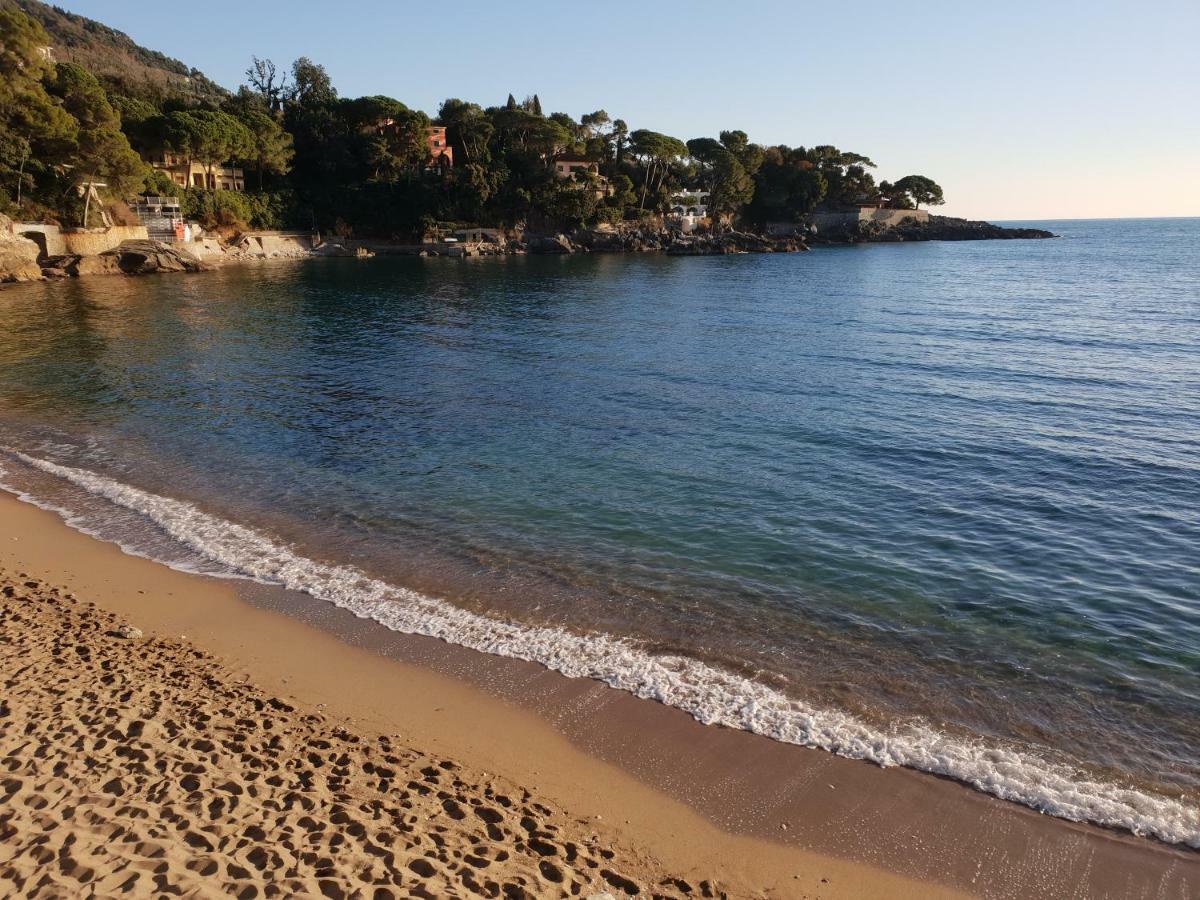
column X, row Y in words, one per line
column 711, row 695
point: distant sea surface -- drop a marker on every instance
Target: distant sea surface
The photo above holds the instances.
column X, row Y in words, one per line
column 934, row 505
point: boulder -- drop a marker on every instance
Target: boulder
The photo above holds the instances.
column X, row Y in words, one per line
column 550, row 244
column 149, row 257
column 92, row 265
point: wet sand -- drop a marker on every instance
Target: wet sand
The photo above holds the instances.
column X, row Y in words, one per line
column 666, row 797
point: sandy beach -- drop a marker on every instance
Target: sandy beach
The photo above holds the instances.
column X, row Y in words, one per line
column 160, row 734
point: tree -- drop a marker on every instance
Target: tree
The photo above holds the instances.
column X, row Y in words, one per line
column 787, row 186
column 594, row 122
column 399, row 146
column 270, row 85
column 468, row 130
column 30, row 119
column 748, row 155
column 209, row 137
column 620, row 137
column 270, row 148
column 730, row 164
column 920, row 189
column 311, row 85
column 732, row 188
column 139, row 121
column 656, row 151
column 100, row 149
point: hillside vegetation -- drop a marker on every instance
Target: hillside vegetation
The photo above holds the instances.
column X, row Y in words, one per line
column 368, row 166
column 114, row 58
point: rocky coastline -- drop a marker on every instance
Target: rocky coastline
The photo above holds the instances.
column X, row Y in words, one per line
column 20, row 260
column 937, row 228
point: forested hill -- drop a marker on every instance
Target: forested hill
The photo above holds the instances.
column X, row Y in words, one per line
column 115, row 58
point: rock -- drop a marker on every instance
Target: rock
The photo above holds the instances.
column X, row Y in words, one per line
column 54, row 272
column 148, row 257
column 556, row 244
column 732, row 242
column 128, row 632
column 93, row 265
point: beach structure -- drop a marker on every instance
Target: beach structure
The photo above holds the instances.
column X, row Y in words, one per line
column 162, row 217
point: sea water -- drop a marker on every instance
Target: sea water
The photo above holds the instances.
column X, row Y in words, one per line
column 933, row 505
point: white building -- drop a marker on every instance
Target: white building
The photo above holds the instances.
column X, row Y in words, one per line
column 689, row 209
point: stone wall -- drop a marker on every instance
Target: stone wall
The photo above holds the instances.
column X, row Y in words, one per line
column 95, row 241
column 18, row 255
column 275, row 243
column 848, row 221
column 892, row 217
column 47, row 237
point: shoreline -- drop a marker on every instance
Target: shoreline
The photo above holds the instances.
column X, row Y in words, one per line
column 780, row 805
column 147, row 257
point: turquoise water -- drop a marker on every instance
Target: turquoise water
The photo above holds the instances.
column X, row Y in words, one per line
column 946, row 486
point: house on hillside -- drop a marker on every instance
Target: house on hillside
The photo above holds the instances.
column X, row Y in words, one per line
column 585, row 173
column 440, row 158
column 196, row 175
column 441, row 154
column 566, row 167
column 689, row 209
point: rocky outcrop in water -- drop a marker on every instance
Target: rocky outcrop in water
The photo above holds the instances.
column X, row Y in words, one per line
column 938, row 228
column 130, row 258
column 150, row 257
column 643, row 239
column 557, row 243
column 733, row 242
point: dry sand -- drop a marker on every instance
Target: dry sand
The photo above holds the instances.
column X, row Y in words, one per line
column 234, row 750
column 140, row 765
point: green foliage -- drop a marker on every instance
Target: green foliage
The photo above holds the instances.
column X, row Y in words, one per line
column 656, row 152
column 158, row 182
column 99, row 151
column 468, row 130
column 270, row 147
column 918, row 189
column 362, row 162
column 311, row 85
column 235, row 209
column 36, row 133
column 788, row 186
column 208, row 136
column 119, row 64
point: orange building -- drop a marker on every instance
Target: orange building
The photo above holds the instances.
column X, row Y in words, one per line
column 441, row 154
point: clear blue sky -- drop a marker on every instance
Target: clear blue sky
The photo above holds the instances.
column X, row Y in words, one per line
column 1020, row 110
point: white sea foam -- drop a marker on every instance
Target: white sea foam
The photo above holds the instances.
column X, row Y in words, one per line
column 711, row 695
